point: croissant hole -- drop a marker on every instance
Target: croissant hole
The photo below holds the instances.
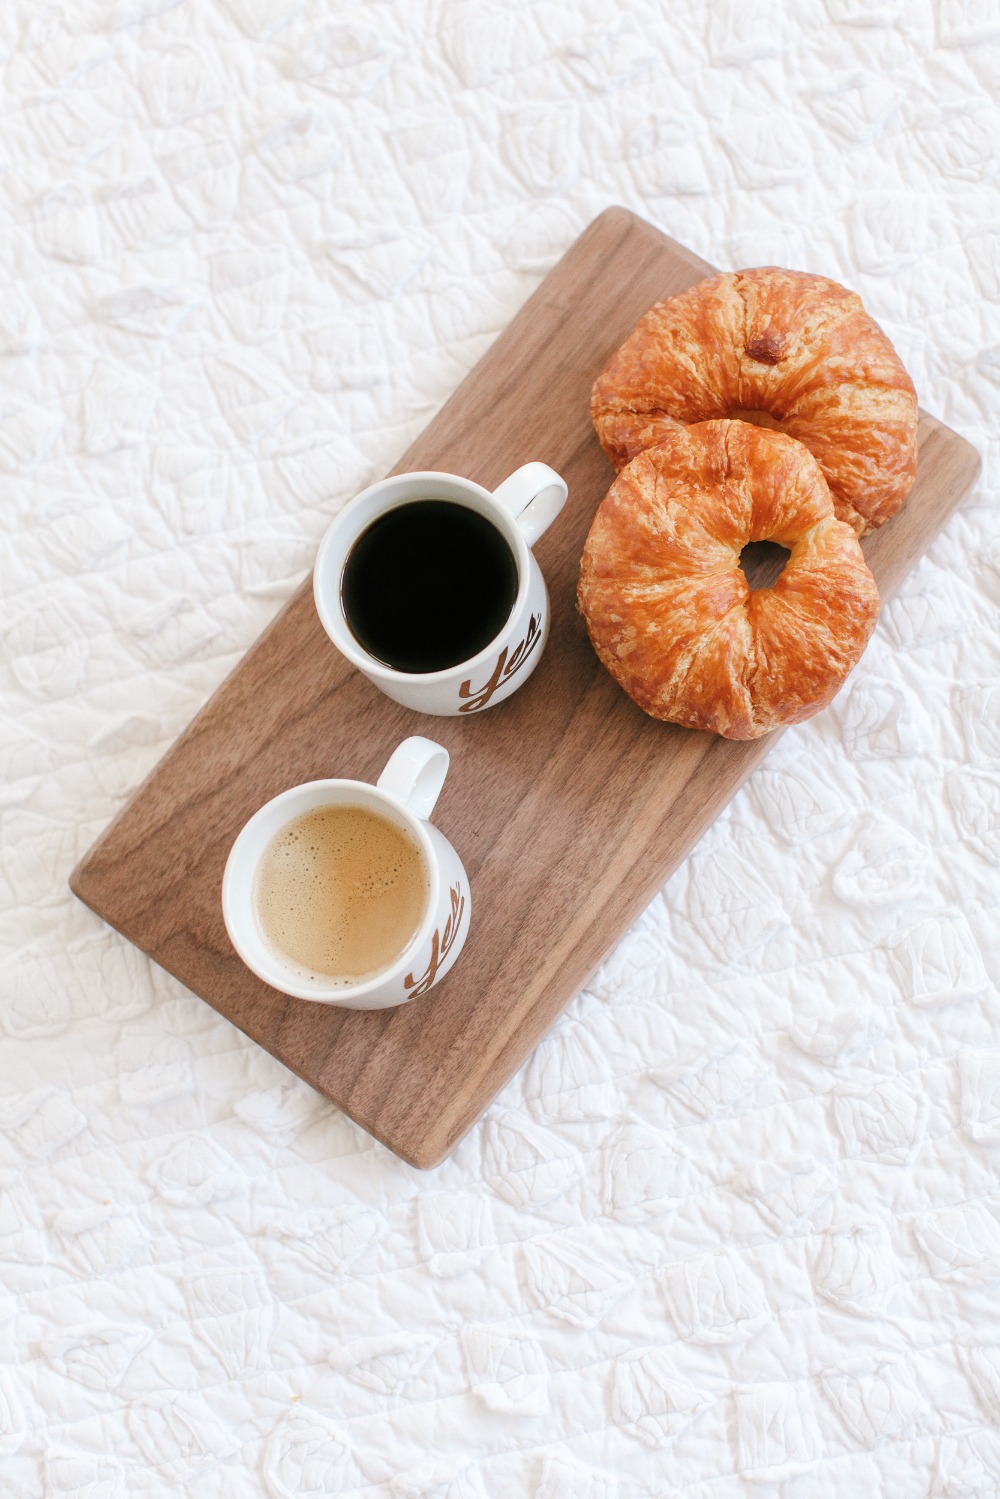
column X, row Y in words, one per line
column 763, row 562
column 755, row 417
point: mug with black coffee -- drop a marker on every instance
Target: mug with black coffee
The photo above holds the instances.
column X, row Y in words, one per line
column 345, row 893
column 428, row 584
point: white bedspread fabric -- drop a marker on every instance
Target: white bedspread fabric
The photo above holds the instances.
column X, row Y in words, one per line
column 736, row 1227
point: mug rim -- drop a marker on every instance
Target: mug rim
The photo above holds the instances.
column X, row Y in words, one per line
column 335, row 621
column 234, row 912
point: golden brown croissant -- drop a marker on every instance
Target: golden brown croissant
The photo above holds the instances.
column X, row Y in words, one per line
column 782, row 349
column 669, row 610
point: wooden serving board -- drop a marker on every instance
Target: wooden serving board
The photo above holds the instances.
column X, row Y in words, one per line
column 568, row 806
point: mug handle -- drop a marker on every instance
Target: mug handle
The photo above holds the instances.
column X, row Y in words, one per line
column 533, row 495
column 415, row 774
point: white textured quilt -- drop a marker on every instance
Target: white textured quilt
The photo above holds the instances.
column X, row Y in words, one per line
column 736, row 1228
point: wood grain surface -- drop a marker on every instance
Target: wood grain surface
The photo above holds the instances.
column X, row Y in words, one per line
column 568, row 806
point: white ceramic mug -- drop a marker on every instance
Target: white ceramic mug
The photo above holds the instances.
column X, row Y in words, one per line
column 522, row 508
column 405, row 793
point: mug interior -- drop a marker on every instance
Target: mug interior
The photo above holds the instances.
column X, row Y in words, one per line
column 371, row 505
column 239, row 903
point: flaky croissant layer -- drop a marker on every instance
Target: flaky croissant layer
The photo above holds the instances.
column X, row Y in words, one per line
column 668, row 607
column 782, row 349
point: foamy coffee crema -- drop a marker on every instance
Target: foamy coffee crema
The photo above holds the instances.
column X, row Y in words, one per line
column 340, row 892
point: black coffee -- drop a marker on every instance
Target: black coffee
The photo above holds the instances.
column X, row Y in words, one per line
column 428, row 585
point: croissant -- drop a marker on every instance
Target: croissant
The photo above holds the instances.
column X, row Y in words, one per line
column 669, row 610
column 781, row 349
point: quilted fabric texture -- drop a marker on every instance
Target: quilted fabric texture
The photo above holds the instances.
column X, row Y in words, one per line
column 736, row 1228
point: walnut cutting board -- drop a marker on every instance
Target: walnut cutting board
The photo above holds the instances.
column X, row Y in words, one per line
column 568, row 806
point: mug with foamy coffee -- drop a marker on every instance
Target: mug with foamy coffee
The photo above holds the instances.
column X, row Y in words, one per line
column 428, row 584
column 345, row 893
